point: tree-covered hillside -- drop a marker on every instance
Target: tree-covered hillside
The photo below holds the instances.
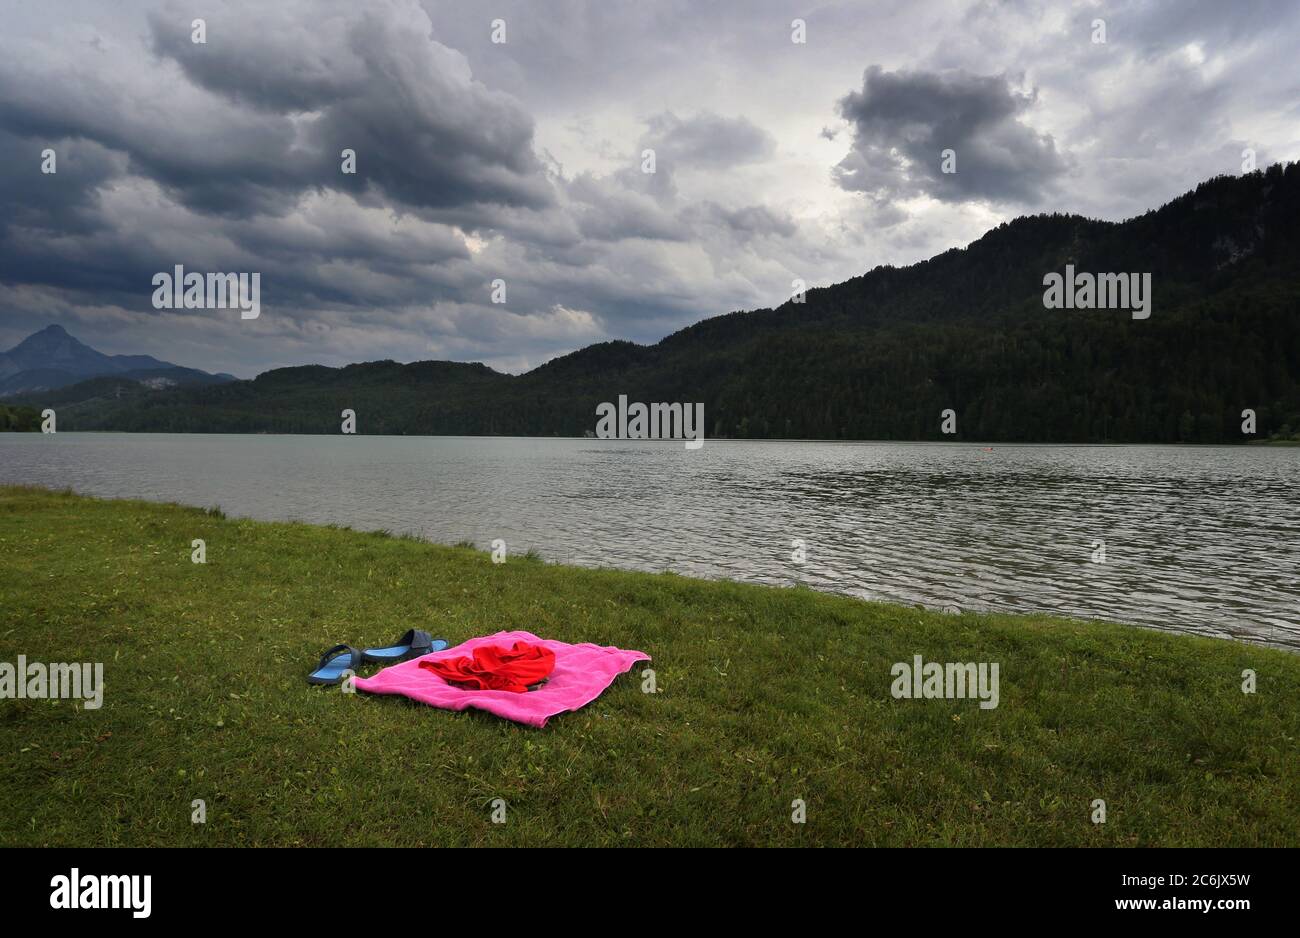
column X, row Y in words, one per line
column 881, row 355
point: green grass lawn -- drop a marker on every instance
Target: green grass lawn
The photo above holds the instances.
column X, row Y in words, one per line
column 765, row 696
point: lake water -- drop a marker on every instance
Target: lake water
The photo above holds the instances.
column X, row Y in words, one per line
column 1197, row 539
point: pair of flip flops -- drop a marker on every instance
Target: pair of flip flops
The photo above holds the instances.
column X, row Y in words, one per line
column 341, row 658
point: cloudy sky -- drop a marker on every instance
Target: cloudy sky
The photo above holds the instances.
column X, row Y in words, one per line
column 522, row 160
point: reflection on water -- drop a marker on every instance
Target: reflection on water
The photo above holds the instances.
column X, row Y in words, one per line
column 1199, row 539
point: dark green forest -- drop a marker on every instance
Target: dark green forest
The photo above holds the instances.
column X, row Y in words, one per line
column 19, row 418
column 879, row 356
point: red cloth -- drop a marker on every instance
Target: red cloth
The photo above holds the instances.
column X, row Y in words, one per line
column 495, row 667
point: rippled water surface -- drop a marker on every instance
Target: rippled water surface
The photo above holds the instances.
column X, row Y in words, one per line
column 1198, row 539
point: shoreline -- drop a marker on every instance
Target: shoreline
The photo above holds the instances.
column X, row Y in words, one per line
column 1264, row 640
column 765, row 695
column 707, row 439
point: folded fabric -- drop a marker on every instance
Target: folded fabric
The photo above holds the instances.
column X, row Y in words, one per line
column 495, row 667
column 581, row 674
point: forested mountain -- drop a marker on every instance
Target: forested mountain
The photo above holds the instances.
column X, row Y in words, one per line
column 52, row 359
column 881, row 355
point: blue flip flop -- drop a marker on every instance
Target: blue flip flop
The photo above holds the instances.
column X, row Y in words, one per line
column 413, row 644
column 333, row 663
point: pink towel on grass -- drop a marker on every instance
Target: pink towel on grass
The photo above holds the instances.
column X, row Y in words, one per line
column 581, row 673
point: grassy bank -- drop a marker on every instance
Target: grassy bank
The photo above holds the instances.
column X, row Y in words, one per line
column 766, row 696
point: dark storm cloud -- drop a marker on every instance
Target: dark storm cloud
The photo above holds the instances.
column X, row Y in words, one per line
column 746, row 223
column 903, row 121
column 219, row 159
column 626, row 204
column 423, row 131
column 479, row 160
column 282, row 66
column 59, row 203
column 224, row 155
column 206, row 157
column 706, row 140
